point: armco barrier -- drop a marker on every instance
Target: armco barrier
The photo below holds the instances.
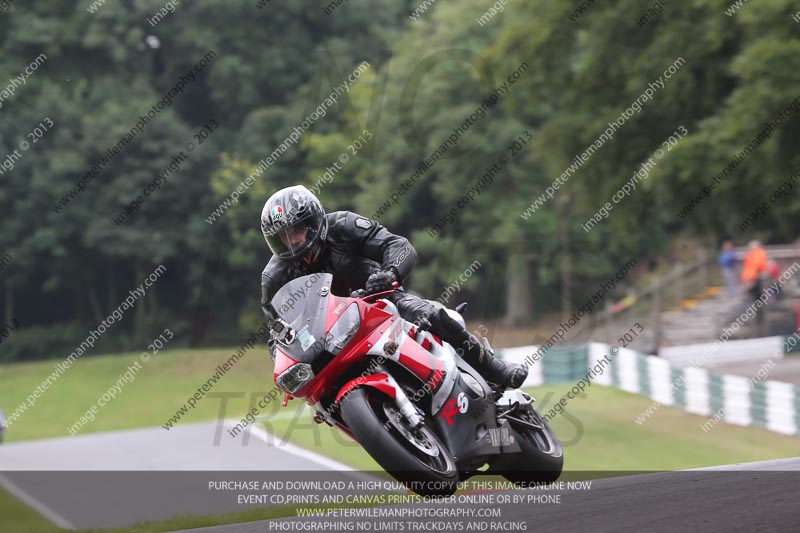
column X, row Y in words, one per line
column 744, row 401
column 556, row 366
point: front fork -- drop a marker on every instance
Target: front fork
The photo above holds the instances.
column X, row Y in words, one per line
column 407, row 408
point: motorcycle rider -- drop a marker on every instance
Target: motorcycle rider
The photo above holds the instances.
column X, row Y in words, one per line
column 360, row 253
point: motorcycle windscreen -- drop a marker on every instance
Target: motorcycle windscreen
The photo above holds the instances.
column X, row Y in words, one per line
column 301, row 303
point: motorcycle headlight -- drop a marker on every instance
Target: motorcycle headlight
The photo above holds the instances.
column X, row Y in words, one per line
column 343, row 329
column 295, row 377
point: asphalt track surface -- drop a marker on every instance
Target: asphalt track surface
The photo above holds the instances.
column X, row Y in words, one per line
column 786, row 369
column 749, row 497
column 118, row 478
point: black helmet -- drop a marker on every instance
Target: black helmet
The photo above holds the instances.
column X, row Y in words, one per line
column 294, row 224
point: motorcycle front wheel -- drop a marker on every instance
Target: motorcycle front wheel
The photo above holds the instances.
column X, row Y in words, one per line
column 414, row 456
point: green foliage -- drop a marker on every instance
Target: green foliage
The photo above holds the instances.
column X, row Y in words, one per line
column 273, row 67
column 34, row 342
column 105, row 70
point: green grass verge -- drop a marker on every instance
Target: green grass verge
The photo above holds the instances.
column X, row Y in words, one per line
column 671, row 439
column 17, row 517
column 598, row 430
column 157, row 391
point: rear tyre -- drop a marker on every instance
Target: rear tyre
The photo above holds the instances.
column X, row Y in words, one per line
column 414, row 456
column 541, row 459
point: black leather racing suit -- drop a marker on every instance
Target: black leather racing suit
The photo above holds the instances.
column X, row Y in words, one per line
column 355, row 247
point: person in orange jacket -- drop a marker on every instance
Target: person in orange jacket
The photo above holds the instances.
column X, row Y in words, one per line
column 753, row 268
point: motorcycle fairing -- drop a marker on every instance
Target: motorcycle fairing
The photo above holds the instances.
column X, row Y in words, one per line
column 468, row 418
column 432, row 366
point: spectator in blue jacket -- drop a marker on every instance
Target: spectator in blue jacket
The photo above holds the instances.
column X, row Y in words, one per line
column 727, row 262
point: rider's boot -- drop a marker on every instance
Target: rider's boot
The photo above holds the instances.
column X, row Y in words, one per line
column 481, row 356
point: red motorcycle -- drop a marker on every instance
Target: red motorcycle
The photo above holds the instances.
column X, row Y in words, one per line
column 422, row 412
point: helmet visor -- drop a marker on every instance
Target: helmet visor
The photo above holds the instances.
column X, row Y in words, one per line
column 293, row 241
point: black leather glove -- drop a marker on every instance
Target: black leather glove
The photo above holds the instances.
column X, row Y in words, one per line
column 380, row 281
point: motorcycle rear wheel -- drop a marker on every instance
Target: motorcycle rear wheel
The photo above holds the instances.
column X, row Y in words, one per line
column 414, row 456
column 541, row 459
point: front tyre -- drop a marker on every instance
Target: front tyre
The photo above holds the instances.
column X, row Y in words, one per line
column 414, row 456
